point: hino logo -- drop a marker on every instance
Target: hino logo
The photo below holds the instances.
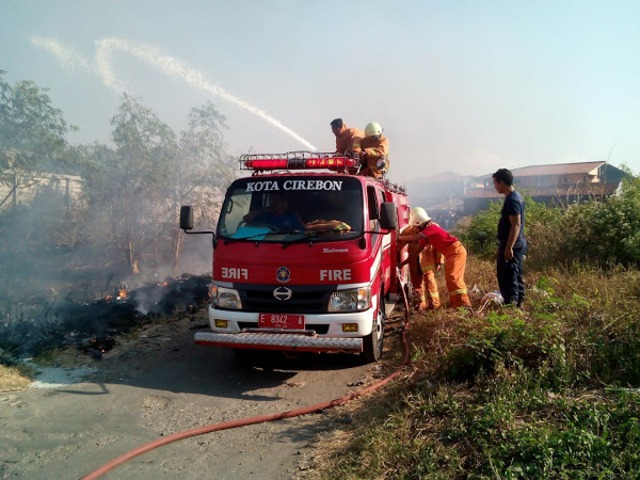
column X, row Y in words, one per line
column 282, row 293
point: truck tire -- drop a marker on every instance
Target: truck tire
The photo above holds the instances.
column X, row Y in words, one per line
column 374, row 342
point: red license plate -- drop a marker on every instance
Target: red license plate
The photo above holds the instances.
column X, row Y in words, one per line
column 285, row 321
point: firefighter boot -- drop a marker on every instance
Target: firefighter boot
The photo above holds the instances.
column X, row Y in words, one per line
column 419, row 300
column 434, row 300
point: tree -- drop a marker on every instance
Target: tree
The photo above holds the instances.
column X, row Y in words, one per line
column 606, row 233
column 203, row 170
column 136, row 189
column 139, row 177
column 32, row 133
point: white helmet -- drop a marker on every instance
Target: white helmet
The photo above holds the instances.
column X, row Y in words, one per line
column 372, row 129
column 419, row 216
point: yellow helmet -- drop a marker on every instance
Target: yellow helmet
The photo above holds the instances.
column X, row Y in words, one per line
column 418, row 216
column 372, row 129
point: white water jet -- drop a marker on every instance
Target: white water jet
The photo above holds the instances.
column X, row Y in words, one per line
column 67, row 56
column 169, row 65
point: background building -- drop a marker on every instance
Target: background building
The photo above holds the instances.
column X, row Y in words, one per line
column 557, row 184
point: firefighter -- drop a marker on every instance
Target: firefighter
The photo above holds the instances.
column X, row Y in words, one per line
column 454, row 252
column 347, row 139
column 431, row 261
column 423, row 262
column 375, row 151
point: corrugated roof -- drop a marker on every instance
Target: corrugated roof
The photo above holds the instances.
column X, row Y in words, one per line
column 553, row 169
column 582, row 190
column 481, row 193
column 558, row 169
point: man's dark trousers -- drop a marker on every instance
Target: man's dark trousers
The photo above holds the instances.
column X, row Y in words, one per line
column 510, row 275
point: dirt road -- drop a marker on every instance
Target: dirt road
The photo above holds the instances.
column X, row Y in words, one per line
column 157, row 383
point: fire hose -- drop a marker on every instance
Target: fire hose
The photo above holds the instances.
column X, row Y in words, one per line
column 264, row 418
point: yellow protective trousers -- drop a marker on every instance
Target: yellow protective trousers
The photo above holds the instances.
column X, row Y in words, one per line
column 432, row 297
column 417, row 289
column 429, row 260
column 424, row 287
column 455, row 262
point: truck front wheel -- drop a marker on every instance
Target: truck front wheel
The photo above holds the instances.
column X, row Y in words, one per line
column 374, row 342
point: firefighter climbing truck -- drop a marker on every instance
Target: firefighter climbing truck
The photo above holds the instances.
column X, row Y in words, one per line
column 318, row 277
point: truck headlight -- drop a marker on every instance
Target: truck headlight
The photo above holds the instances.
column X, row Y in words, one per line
column 353, row 300
column 225, row 298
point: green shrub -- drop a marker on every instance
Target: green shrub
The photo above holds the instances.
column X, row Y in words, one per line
column 550, row 391
column 601, row 233
column 542, row 227
column 507, row 339
column 480, row 236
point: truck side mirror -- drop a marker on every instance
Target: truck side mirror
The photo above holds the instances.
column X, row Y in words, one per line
column 186, row 217
column 389, row 216
column 186, row 224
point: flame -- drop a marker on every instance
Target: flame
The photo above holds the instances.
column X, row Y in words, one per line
column 122, row 294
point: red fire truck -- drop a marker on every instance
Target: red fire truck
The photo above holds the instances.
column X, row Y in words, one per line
column 305, row 257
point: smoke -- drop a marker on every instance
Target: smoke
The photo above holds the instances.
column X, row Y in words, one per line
column 102, row 68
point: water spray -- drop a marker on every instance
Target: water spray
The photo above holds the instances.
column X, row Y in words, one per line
column 67, row 56
column 169, row 65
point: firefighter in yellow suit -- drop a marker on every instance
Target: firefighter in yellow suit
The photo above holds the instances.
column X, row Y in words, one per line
column 347, row 140
column 451, row 248
column 375, row 151
column 431, row 262
column 423, row 262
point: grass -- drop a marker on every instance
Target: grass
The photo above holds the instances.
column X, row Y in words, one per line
column 18, row 375
column 15, row 378
column 549, row 391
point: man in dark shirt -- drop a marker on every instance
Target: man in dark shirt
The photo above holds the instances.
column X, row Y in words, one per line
column 512, row 244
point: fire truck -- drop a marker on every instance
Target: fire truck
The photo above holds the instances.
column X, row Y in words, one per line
column 304, row 257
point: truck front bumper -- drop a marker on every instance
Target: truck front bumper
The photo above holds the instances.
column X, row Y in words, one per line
column 279, row 341
column 332, row 339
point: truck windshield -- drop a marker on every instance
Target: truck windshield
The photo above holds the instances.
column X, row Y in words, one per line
column 284, row 209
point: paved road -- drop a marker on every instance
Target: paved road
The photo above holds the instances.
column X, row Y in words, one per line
column 157, row 383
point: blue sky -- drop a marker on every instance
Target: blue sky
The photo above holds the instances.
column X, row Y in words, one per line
column 463, row 86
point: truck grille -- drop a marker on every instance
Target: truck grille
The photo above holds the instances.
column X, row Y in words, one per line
column 303, row 299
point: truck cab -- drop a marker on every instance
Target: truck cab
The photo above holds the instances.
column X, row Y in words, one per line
column 305, row 257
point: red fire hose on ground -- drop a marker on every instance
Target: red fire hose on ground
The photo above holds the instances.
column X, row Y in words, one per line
column 264, row 418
